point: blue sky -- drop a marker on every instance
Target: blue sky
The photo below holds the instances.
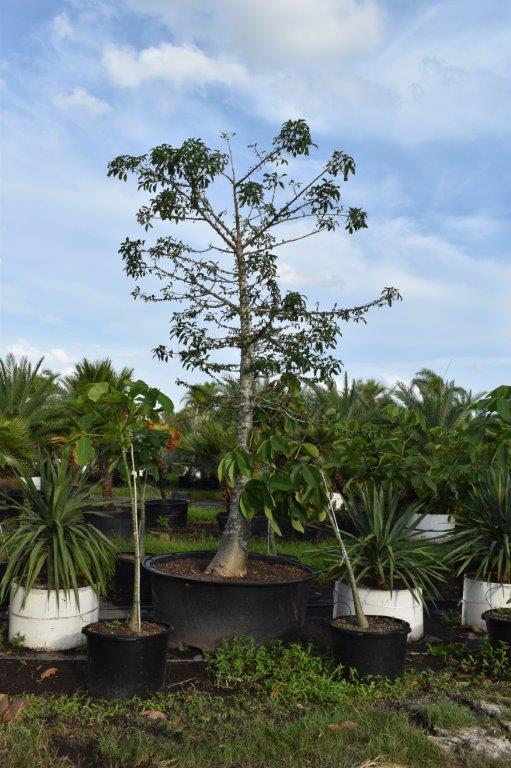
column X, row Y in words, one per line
column 418, row 92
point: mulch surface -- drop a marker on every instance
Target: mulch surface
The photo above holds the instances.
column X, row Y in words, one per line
column 121, row 629
column 376, row 624
column 259, row 571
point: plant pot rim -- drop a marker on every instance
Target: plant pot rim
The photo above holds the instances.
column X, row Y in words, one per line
column 466, row 577
column 88, row 632
column 404, row 629
column 500, row 619
column 382, row 589
column 16, row 585
column 148, row 564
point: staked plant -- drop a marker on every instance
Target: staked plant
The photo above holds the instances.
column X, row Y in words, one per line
column 230, row 314
column 126, row 417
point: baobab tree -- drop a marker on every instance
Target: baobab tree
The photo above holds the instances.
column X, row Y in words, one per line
column 230, row 315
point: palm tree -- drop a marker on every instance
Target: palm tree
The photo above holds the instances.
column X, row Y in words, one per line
column 89, row 372
column 30, row 393
column 441, row 402
column 16, row 446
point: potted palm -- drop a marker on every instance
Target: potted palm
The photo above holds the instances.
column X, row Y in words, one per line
column 125, row 659
column 482, row 547
column 394, row 568
column 57, row 564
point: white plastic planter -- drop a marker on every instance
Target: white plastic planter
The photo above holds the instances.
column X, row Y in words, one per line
column 37, row 482
column 480, row 596
column 46, row 625
column 400, row 604
column 434, row 526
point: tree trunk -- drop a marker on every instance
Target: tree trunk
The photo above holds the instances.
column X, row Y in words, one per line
column 231, row 557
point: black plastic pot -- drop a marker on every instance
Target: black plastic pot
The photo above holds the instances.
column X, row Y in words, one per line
column 114, row 522
column 499, row 629
column 204, row 612
column 123, row 666
column 259, row 527
column 370, row 653
column 124, row 573
column 174, row 512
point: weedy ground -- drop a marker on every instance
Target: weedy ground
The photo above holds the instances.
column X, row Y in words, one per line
column 271, row 707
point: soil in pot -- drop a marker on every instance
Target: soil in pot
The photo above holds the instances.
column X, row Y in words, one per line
column 124, row 574
column 498, row 624
column 269, row 602
column 114, row 522
column 378, row 650
column 122, row 664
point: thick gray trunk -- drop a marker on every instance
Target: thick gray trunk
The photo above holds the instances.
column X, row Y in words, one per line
column 231, row 557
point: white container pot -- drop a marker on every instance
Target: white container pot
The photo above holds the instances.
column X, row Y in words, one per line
column 434, row 526
column 400, row 603
column 37, row 482
column 46, row 625
column 480, row 596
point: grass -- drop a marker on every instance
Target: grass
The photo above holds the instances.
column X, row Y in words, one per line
column 205, row 730
column 449, row 714
column 152, row 492
column 275, row 706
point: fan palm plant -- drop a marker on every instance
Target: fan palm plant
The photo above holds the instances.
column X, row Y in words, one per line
column 52, row 544
column 384, row 549
column 31, row 393
column 441, row 402
column 482, row 542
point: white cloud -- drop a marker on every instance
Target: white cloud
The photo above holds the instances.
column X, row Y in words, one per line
column 177, row 64
column 81, row 99
column 61, row 26
column 52, row 357
column 441, row 72
column 264, row 32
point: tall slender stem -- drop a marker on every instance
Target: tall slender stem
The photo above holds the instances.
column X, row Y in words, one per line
column 359, row 613
column 135, row 622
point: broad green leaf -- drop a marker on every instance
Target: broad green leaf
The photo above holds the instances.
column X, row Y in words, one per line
column 84, row 452
column 98, row 390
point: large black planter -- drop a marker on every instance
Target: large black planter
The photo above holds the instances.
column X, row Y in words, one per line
column 204, row 612
column 499, row 629
column 259, row 527
column 124, row 574
column 123, row 666
column 370, row 653
column 115, row 522
column 172, row 513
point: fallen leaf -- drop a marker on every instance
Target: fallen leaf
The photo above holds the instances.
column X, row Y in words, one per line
column 346, row 725
column 49, row 672
column 14, row 708
column 154, row 714
column 4, row 703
